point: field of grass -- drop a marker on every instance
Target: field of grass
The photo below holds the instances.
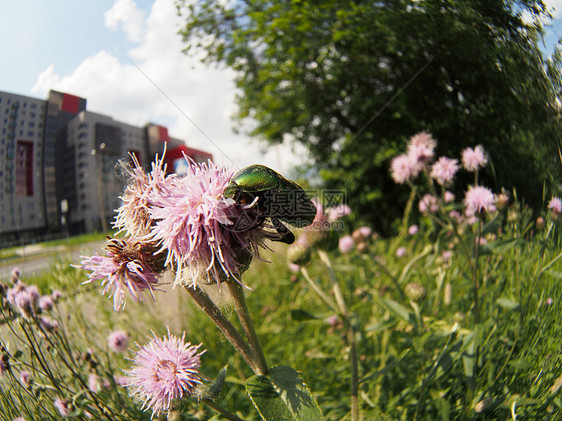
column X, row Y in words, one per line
column 394, row 325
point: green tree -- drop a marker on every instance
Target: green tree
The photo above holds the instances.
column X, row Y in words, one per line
column 353, row 80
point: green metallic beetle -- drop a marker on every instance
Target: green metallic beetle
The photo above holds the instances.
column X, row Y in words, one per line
column 270, row 195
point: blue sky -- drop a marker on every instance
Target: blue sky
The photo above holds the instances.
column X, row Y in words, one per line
column 124, row 57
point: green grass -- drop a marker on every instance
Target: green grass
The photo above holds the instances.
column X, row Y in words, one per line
column 431, row 359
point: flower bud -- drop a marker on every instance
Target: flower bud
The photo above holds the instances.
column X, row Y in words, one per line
column 502, row 201
column 540, row 223
column 415, row 291
column 362, row 247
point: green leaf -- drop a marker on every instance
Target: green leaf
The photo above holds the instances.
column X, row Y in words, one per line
column 214, row 390
column 300, row 315
column 397, row 310
column 501, row 246
column 282, row 395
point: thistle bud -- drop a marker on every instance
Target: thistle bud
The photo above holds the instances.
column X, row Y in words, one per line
column 415, row 291
column 540, row 223
column 298, row 254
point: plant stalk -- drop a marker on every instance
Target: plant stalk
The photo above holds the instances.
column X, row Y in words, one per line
column 241, row 307
column 227, row 329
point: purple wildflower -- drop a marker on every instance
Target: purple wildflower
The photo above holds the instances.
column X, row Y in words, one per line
column 555, row 204
column 479, row 199
column 428, row 203
column 338, row 212
column 118, row 340
column 444, row 170
column 293, row 267
column 4, row 365
column 130, row 265
column 48, row 324
column 199, row 227
column 46, row 303
column 448, row 196
column 133, row 216
column 404, row 169
column 56, row 294
column 164, row 370
column 472, row 159
column 446, row 255
column 346, row 243
column 400, row 251
column 25, row 378
column 421, row 147
column 93, row 383
column 63, row 406
column 413, row 229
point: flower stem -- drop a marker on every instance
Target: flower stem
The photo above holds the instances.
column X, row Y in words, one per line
column 227, row 329
column 225, row 413
column 241, row 307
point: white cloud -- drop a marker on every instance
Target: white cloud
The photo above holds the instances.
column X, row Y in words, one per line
column 160, row 84
column 132, row 20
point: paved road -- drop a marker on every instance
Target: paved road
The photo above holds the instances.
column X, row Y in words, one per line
column 42, row 260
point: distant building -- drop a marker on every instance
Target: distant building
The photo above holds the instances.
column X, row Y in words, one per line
column 59, row 169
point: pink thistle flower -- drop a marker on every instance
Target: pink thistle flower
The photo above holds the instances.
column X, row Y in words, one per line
column 444, row 170
column 472, row 159
column 293, row 267
column 479, row 199
column 46, row 303
column 133, row 216
column 448, row 197
column 48, row 324
column 421, row 147
column 15, row 275
column 456, row 216
column 198, row 227
column 446, row 255
column 555, row 204
column 164, row 370
column 404, row 169
column 549, row 301
column 25, row 378
column 93, row 383
column 128, row 266
column 364, row 231
column 346, row 243
column 118, row 340
column 121, row 381
column 63, row 406
column 338, row 212
column 413, row 229
column 428, row 203
column 400, row 251
column 56, row 294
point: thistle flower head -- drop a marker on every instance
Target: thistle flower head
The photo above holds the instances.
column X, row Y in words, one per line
column 118, row 340
column 164, row 370
column 404, row 168
column 472, row 159
column 421, row 147
column 443, row 171
column 195, row 225
column 555, row 205
column 133, row 216
column 479, row 199
column 346, row 243
column 129, row 265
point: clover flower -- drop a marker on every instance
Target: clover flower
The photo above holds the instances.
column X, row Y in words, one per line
column 472, row 159
column 479, row 199
column 555, row 204
column 118, row 340
column 164, row 370
column 428, row 203
column 198, row 227
column 443, row 171
column 130, row 265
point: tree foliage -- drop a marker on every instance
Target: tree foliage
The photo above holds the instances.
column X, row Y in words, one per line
column 352, row 80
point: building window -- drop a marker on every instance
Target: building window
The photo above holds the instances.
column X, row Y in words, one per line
column 24, row 168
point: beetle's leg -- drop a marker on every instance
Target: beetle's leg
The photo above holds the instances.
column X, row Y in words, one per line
column 287, row 236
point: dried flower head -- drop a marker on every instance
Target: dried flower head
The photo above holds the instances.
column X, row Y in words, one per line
column 130, row 265
column 133, row 216
column 164, row 370
column 472, row 159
